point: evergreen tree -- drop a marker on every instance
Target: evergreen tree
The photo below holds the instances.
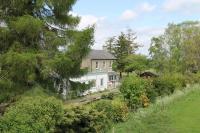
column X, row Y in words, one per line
column 34, row 32
column 124, row 46
column 109, row 45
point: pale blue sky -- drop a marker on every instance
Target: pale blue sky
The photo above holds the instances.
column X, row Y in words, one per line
column 146, row 17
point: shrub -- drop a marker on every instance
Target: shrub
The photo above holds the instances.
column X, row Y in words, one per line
column 32, row 115
column 164, row 85
column 78, row 89
column 150, row 91
column 82, row 120
column 109, row 96
column 5, row 87
column 133, row 88
column 116, row 111
column 9, row 91
column 178, row 79
column 192, row 78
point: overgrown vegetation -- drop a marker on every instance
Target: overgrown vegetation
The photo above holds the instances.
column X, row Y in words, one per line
column 82, row 120
column 41, row 49
column 116, row 110
column 32, row 114
column 133, row 89
column 169, row 114
column 39, row 44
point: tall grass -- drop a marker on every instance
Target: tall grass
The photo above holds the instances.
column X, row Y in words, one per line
column 154, row 119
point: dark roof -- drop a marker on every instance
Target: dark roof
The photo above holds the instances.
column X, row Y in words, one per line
column 100, row 55
column 149, row 73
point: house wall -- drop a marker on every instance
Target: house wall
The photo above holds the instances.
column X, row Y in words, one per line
column 103, row 65
column 96, row 77
column 86, row 63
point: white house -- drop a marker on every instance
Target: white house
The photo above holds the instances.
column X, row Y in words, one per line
column 100, row 81
column 99, row 64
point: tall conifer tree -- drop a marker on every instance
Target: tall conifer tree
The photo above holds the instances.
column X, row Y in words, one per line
column 33, row 31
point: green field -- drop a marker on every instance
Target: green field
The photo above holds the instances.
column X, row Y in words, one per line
column 180, row 115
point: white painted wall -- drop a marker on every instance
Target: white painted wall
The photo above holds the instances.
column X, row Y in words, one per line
column 97, row 76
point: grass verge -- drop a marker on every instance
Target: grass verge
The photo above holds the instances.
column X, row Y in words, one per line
column 177, row 113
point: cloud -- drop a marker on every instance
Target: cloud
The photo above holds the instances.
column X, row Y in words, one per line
column 146, row 7
column 128, row 15
column 104, row 29
column 131, row 14
column 88, row 20
column 102, row 26
column 144, row 37
column 183, row 5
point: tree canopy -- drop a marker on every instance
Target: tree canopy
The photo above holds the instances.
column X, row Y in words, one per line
column 121, row 47
column 177, row 50
column 40, row 44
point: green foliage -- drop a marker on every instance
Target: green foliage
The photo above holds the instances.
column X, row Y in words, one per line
column 109, row 45
column 136, row 63
column 108, row 96
column 33, row 115
column 175, row 113
column 158, row 54
column 132, row 88
column 116, row 110
column 27, row 30
column 122, row 46
column 164, row 85
column 56, row 12
column 6, row 90
column 139, row 123
column 78, row 89
column 177, row 49
column 21, row 67
column 192, row 78
column 31, row 39
column 167, row 83
column 178, row 79
column 150, row 91
column 5, row 37
column 82, row 120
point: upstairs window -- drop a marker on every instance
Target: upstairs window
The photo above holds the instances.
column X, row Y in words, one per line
column 97, row 64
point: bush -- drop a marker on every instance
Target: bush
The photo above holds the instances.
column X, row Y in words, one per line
column 150, row 91
column 32, row 115
column 133, row 88
column 9, row 91
column 5, row 87
column 179, row 80
column 193, row 78
column 116, row 111
column 164, row 85
column 78, row 89
column 81, row 120
column 109, row 96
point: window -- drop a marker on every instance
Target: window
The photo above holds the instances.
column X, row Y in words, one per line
column 104, row 64
column 97, row 64
column 110, row 78
column 115, row 78
column 102, row 82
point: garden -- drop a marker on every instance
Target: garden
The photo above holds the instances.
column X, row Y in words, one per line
column 42, row 48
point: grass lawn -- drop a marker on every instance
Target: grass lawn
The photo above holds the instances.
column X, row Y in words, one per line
column 180, row 115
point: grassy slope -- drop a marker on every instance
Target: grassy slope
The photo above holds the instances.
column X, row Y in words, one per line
column 185, row 114
column 181, row 115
